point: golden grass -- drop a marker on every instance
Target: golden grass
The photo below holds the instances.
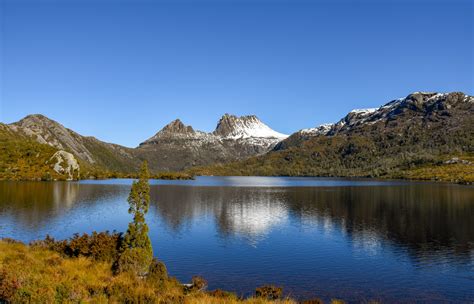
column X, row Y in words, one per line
column 33, row 274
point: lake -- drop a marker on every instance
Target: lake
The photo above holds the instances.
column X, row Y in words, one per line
column 352, row 239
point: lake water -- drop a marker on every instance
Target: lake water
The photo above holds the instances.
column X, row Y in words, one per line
column 329, row 238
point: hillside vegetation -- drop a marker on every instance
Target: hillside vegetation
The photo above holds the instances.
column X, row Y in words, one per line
column 23, row 158
column 412, row 138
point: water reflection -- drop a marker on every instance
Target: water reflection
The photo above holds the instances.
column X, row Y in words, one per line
column 32, row 202
column 36, row 204
column 423, row 217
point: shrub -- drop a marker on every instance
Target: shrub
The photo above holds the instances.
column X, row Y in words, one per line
column 8, row 286
column 157, row 271
column 135, row 260
column 101, row 246
column 219, row 293
column 269, row 292
column 199, row 283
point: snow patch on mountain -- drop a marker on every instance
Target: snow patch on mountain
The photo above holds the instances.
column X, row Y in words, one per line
column 364, row 111
column 233, row 127
column 417, row 100
column 322, row 129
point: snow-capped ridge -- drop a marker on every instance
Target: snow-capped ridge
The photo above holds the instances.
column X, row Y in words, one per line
column 364, row 111
column 322, row 129
column 234, row 127
column 230, row 127
column 420, row 101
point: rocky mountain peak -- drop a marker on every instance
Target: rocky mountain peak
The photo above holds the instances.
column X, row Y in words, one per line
column 177, row 127
column 174, row 130
column 231, row 126
column 36, row 119
column 47, row 131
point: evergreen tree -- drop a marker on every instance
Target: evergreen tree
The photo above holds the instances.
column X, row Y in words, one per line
column 137, row 252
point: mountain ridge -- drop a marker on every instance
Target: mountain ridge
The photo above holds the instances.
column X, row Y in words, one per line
column 386, row 112
column 174, row 148
column 418, row 129
column 178, row 146
column 413, row 137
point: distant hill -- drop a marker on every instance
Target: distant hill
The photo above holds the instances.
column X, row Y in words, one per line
column 424, row 135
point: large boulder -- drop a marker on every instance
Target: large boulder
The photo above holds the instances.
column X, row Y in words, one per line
column 66, row 164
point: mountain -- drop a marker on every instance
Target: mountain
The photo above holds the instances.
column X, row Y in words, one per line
column 423, row 135
column 416, row 132
column 428, row 109
column 174, row 148
column 22, row 157
column 233, row 127
column 177, row 146
column 88, row 149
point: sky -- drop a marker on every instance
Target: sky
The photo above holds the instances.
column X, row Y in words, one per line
column 121, row 70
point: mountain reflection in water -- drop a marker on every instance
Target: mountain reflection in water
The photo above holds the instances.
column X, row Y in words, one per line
column 424, row 218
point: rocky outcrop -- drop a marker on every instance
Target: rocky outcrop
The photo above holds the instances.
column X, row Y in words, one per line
column 64, row 163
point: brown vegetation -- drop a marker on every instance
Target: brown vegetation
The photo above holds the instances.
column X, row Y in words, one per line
column 72, row 271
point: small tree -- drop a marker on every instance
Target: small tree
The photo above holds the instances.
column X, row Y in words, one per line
column 137, row 253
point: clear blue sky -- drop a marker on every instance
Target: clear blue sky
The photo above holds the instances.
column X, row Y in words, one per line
column 121, row 70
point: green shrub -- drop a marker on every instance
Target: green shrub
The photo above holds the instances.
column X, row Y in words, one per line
column 157, row 272
column 135, row 260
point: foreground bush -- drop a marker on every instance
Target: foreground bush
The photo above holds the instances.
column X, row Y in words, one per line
column 101, row 246
column 269, row 292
